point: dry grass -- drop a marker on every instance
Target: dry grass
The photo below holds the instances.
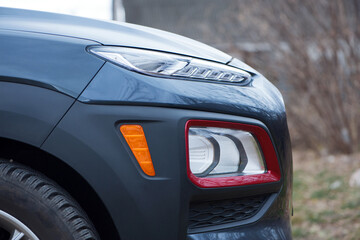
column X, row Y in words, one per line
column 325, row 206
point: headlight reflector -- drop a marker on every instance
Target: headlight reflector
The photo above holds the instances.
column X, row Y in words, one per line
column 219, row 151
column 162, row 64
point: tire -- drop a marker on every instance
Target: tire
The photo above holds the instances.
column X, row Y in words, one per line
column 39, row 207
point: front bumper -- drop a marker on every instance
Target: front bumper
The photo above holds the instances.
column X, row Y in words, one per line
column 157, row 207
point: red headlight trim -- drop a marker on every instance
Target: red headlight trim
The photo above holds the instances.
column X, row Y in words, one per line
column 272, row 174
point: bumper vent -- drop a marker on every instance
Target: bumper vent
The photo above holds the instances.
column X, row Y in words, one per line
column 212, row 213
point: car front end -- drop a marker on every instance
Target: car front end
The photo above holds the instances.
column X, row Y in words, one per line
column 178, row 140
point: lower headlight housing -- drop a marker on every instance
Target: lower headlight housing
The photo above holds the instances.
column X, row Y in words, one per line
column 224, row 154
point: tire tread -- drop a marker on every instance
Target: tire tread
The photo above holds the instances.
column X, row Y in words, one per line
column 53, row 195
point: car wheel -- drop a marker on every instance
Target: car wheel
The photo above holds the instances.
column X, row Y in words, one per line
column 33, row 207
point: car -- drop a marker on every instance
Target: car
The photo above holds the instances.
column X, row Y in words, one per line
column 118, row 131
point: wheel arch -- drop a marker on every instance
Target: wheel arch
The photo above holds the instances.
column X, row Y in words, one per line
column 54, row 168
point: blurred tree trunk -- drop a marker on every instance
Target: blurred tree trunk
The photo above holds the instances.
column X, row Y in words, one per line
column 118, row 12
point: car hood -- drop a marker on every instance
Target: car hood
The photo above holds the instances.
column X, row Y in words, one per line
column 106, row 33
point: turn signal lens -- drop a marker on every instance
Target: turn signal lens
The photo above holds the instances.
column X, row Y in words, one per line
column 135, row 138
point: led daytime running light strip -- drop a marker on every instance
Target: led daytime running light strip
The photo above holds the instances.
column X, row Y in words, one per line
column 170, row 65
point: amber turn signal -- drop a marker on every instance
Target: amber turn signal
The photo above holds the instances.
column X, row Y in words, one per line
column 135, row 138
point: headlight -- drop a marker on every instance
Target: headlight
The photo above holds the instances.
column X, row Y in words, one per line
column 229, row 154
column 221, row 151
column 170, row 65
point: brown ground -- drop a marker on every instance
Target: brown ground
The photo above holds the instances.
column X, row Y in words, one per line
column 325, row 206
